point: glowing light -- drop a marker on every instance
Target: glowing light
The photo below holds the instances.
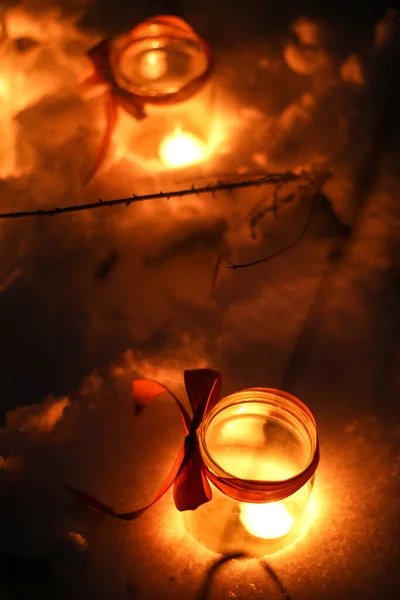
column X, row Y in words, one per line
column 181, row 149
column 153, row 64
column 266, row 521
column 4, row 88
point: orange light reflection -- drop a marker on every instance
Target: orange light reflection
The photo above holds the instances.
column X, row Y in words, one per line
column 182, row 148
column 153, row 64
column 266, row 521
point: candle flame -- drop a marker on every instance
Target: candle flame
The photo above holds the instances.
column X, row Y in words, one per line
column 266, row 521
column 181, row 149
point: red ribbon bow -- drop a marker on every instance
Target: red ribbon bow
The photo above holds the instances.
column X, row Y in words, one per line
column 106, row 58
column 191, row 487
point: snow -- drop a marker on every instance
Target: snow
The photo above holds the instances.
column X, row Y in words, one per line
column 90, row 301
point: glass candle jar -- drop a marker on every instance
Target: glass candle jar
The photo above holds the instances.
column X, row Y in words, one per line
column 166, row 65
column 260, row 451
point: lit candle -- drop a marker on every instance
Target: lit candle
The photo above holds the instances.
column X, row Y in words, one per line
column 266, row 521
column 181, row 148
column 8, row 108
column 163, row 63
column 153, row 64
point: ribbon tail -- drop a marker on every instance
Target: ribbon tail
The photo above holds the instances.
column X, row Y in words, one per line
column 97, row 506
column 144, row 392
column 89, row 501
column 191, row 488
column 91, row 80
column 133, row 105
column 111, row 121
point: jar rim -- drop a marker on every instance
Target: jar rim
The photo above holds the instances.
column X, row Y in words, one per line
column 261, row 490
column 165, row 27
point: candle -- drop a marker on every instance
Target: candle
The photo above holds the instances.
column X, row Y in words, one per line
column 181, row 148
column 165, row 68
column 266, row 521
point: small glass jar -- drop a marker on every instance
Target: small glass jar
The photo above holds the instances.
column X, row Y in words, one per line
column 167, row 66
column 260, row 451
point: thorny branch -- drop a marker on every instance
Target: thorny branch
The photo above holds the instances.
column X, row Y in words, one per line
column 220, row 186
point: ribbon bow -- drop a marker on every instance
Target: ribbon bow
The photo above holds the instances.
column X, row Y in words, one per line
column 106, row 58
column 115, row 96
column 188, row 475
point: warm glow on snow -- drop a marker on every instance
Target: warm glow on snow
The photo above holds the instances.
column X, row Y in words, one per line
column 181, row 149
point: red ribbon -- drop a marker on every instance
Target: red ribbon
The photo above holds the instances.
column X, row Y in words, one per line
column 189, row 474
column 106, row 58
column 191, row 488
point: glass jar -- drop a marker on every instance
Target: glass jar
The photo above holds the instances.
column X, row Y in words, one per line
column 167, row 66
column 260, row 452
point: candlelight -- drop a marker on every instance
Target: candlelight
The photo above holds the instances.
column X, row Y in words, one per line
column 153, row 64
column 266, row 521
column 260, row 449
column 181, row 149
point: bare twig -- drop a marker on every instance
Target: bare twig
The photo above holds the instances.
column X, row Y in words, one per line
column 306, row 191
column 220, row 186
column 260, row 210
column 216, row 272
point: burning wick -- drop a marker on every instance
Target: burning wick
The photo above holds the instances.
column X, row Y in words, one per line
column 266, row 521
column 153, row 64
column 181, row 149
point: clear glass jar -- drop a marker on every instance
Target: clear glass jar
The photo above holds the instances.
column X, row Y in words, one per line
column 166, row 65
column 260, row 451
